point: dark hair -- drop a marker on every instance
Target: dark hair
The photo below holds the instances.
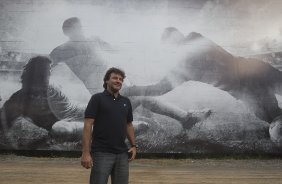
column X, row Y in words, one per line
column 36, row 71
column 109, row 72
column 69, row 24
column 169, row 31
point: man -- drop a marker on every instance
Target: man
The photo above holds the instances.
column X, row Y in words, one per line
column 110, row 116
column 81, row 55
column 37, row 99
column 31, row 100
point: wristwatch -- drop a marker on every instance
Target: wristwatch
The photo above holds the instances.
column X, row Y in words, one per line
column 134, row 145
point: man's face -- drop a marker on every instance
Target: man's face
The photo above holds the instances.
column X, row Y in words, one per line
column 115, row 82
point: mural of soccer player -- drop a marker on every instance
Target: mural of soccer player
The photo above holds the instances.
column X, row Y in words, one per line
column 250, row 80
column 38, row 100
column 81, row 55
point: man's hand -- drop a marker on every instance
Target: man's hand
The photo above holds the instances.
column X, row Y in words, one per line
column 132, row 152
column 86, row 160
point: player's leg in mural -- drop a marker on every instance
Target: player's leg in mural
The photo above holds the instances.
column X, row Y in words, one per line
column 187, row 119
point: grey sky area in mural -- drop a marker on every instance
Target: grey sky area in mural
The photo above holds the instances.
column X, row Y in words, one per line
column 203, row 76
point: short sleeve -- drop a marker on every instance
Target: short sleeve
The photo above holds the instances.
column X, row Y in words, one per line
column 129, row 115
column 92, row 107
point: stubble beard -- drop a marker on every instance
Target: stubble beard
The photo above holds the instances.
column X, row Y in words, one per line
column 115, row 90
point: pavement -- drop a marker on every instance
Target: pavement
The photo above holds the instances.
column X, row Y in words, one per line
column 48, row 170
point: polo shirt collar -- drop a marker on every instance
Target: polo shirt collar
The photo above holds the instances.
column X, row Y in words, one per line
column 106, row 92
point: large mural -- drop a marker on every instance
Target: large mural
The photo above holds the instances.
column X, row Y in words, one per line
column 203, row 76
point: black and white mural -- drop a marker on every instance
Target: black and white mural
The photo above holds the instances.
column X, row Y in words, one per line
column 203, row 76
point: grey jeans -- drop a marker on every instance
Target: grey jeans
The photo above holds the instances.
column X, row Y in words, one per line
column 109, row 164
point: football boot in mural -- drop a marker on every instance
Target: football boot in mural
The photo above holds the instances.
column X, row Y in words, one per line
column 275, row 130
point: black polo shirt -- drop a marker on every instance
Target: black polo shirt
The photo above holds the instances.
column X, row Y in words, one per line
column 111, row 117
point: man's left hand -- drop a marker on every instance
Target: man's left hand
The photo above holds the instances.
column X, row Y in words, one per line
column 132, row 152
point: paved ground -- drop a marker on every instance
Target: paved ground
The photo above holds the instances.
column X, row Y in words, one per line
column 35, row 170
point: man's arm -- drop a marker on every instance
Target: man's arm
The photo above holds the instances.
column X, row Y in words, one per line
column 55, row 55
column 86, row 159
column 131, row 138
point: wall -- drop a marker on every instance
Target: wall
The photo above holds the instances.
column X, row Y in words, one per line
column 203, row 76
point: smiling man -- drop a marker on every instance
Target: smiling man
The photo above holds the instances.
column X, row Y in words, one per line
column 108, row 121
